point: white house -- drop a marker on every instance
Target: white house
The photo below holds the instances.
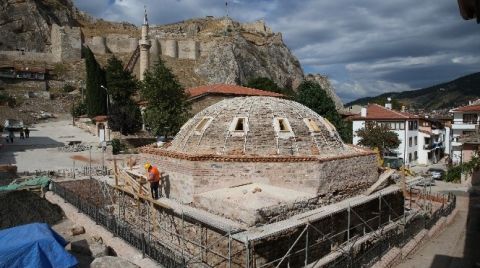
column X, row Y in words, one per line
column 402, row 123
column 432, row 141
column 465, row 132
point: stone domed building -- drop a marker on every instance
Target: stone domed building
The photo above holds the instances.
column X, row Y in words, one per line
column 261, row 159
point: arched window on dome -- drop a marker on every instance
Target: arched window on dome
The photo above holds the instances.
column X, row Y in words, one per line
column 202, row 125
column 239, row 126
column 282, row 127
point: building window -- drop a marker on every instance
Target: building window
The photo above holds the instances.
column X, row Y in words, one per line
column 312, row 125
column 410, row 157
column 202, row 125
column 415, row 140
column 470, row 118
column 239, row 126
column 282, row 127
column 410, row 142
column 412, row 125
column 401, row 126
column 415, row 155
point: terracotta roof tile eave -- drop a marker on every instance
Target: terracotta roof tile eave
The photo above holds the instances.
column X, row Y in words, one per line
column 235, row 158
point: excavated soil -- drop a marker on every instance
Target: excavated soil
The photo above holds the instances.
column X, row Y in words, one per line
column 23, row 207
column 90, row 190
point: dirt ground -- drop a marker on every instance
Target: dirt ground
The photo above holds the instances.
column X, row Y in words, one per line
column 23, row 207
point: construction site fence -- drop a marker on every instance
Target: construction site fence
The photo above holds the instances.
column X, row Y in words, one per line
column 70, row 172
column 156, row 251
column 411, row 225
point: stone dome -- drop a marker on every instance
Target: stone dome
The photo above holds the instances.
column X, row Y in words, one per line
column 259, row 126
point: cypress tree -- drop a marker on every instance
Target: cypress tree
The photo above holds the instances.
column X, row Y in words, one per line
column 167, row 107
column 95, row 96
column 124, row 114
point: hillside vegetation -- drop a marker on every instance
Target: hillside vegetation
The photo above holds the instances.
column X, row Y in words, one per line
column 446, row 95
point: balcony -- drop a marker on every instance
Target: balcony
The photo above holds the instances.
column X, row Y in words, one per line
column 461, row 125
column 456, row 143
column 433, row 146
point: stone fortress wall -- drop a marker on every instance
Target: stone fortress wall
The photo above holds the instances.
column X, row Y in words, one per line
column 66, row 46
column 178, row 43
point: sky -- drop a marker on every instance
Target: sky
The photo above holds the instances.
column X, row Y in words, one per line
column 365, row 47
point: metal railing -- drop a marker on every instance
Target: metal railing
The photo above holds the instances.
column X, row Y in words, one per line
column 121, row 228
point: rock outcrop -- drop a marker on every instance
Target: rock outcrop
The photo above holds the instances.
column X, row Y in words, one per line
column 232, row 52
column 26, row 24
column 199, row 51
column 327, row 86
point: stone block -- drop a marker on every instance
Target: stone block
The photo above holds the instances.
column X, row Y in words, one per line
column 77, row 230
column 112, row 262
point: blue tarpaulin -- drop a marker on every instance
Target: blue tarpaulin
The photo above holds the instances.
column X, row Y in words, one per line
column 33, row 245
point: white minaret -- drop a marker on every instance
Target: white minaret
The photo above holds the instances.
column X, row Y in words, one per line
column 144, row 44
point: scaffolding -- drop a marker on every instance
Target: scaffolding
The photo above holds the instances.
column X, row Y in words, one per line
column 337, row 235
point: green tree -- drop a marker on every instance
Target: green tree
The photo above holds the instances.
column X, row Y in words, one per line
column 379, row 136
column 311, row 94
column 121, row 83
column 125, row 117
column 265, row 83
column 167, row 108
column 124, row 114
column 95, row 96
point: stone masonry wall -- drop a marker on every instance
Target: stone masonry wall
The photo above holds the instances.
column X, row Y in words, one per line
column 188, row 49
column 121, row 43
column 66, row 43
column 332, row 180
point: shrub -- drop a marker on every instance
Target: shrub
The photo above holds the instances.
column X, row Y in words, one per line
column 79, row 109
column 7, row 99
column 117, row 146
column 67, row 88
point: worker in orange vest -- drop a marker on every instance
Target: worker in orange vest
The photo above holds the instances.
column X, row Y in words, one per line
column 153, row 178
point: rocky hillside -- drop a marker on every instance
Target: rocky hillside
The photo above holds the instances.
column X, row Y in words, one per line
column 442, row 96
column 25, row 24
column 231, row 52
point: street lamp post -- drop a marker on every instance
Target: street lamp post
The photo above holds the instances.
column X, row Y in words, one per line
column 108, row 113
column 108, row 97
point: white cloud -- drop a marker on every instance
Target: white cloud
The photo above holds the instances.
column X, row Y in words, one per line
column 397, row 62
column 466, row 59
column 378, row 45
column 351, row 90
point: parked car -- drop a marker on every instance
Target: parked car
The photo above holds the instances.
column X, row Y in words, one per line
column 436, row 173
column 392, row 162
column 12, row 124
column 427, row 181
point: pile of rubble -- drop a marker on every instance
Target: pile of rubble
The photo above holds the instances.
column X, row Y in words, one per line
column 74, row 148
